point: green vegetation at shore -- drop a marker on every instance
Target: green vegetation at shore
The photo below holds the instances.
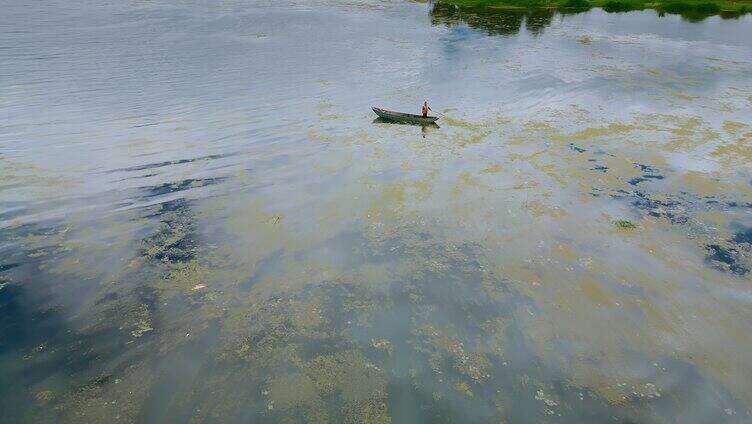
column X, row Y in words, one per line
column 693, row 10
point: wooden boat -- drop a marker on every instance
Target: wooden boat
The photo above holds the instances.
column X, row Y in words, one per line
column 408, row 118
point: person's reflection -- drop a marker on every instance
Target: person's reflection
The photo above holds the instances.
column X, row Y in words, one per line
column 425, row 129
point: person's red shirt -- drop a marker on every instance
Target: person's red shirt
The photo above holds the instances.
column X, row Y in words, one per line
column 425, row 109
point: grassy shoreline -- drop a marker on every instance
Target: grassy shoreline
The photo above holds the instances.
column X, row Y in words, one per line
column 689, row 9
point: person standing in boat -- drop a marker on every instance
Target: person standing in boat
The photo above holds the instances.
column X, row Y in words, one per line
column 425, row 108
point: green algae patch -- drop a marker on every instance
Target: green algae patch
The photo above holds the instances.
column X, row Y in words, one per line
column 143, row 322
column 296, row 395
column 44, row 397
column 324, row 111
column 492, row 169
column 459, row 123
column 464, row 388
column 736, row 150
column 383, row 345
column 105, row 397
column 614, row 128
column 624, row 224
column 348, row 373
column 466, row 179
column 442, row 348
column 684, row 96
column 540, row 208
column 358, row 385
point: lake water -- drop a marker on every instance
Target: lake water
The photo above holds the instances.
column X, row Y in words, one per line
column 200, row 220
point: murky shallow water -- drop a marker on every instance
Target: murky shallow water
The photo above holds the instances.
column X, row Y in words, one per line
column 201, row 222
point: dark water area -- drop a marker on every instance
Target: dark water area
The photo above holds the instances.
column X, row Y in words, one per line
column 201, row 220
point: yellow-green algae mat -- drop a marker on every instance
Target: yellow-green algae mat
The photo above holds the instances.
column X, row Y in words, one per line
column 569, row 267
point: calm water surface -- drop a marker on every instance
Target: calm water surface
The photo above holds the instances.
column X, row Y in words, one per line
column 200, row 221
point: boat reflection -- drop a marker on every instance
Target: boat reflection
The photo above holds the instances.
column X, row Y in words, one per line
column 425, row 128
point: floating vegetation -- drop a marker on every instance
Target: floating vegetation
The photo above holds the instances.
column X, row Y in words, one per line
column 624, row 224
column 384, row 345
column 464, row 388
column 45, row 396
column 547, row 400
column 143, row 323
column 439, row 318
column 173, row 241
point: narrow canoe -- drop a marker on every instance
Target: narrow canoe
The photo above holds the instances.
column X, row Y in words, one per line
column 405, row 117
